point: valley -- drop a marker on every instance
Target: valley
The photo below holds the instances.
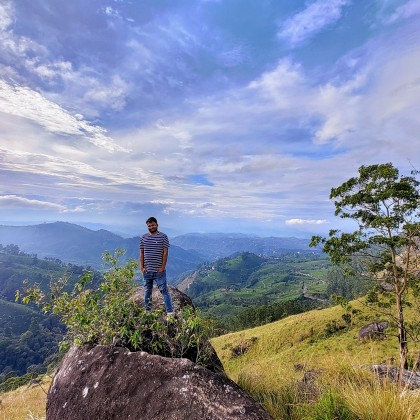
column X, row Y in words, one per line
column 230, row 289
column 226, row 287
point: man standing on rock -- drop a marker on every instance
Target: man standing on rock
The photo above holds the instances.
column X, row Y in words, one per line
column 153, row 257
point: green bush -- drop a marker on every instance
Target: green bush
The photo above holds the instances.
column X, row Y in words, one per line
column 14, row 382
column 108, row 315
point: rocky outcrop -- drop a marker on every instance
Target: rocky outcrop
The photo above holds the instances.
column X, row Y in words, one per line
column 113, row 383
column 374, row 330
column 179, row 299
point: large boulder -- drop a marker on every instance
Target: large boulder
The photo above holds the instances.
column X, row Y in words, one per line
column 113, row 383
column 179, row 299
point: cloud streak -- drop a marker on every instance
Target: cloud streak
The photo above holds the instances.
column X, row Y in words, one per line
column 26, row 103
column 312, row 20
column 14, row 201
column 305, row 222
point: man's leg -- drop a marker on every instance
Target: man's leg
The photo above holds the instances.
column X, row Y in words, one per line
column 163, row 287
column 148, row 287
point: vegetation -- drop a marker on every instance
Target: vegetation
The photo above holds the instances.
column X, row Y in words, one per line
column 108, row 314
column 28, row 343
column 260, row 315
column 16, row 266
column 297, row 371
column 300, row 369
column 26, row 402
column 385, row 207
column 340, row 283
column 28, row 339
column 232, row 289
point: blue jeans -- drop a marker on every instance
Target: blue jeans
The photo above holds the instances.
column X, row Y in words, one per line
column 160, row 279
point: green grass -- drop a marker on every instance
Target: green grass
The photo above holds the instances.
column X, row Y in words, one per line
column 267, row 371
column 19, row 316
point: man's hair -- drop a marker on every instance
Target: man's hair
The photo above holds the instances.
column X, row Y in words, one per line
column 151, row 220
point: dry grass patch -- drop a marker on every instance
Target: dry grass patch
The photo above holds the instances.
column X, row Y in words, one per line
column 25, row 403
column 274, row 370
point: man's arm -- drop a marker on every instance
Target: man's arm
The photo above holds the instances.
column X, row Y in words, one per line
column 142, row 268
column 164, row 260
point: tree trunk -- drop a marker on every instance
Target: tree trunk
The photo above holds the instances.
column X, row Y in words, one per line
column 402, row 335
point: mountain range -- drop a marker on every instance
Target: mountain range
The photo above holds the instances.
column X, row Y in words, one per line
column 79, row 245
column 219, row 245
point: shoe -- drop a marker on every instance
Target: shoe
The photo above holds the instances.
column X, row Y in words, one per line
column 170, row 316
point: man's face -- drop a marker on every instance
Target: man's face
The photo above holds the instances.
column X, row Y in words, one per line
column 153, row 227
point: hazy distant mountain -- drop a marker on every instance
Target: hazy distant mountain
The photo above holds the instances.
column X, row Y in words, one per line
column 78, row 245
column 82, row 246
column 218, row 245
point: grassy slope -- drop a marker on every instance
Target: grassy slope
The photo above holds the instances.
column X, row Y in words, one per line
column 297, row 339
column 26, row 402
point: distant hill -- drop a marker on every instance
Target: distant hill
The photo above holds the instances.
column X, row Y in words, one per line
column 229, row 285
column 219, row 245
column 28, row 339
column 16, row 266
column 78, row 245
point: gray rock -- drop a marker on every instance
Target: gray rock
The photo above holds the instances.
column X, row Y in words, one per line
column 387, row 286
column 179, row 299
column 407, row 378
column 113, row 383
column 374, row 330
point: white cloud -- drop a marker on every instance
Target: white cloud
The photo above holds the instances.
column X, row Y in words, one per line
column 405, row 11
column 109, row 96
column 74, row 175
column 271, row 148
column 14, row 201
column 312, row 20
column 283, row 86
column 26, row 103
column 306, row 222
column 49, row 71
column 6, row 13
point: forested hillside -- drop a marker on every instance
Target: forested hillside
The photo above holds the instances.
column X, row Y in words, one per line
column 248, row 289
column 28, row 339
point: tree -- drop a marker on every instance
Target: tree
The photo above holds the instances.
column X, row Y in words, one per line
column 386, row 207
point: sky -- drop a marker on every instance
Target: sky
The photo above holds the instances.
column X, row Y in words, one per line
column 211, row 115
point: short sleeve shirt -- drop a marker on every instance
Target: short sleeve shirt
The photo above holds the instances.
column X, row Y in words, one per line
column 153, row 246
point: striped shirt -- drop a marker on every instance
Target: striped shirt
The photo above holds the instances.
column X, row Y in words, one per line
column 153, row 246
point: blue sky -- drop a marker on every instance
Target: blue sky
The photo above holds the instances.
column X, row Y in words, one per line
column 212, row 115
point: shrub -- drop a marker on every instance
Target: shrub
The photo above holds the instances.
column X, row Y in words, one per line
column 108, row 315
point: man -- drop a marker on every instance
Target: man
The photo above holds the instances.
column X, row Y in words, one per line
column 153, row 257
